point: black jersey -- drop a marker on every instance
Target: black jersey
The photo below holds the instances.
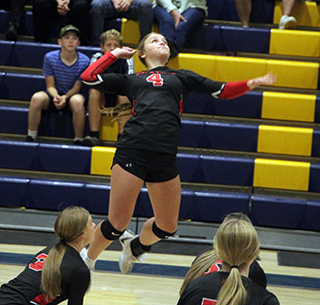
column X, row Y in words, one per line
column 205, row 289
column 25, row 288
column 157, row 97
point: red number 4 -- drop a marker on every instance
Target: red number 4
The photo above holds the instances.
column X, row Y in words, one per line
column 156, row 79
column 208, row 302
column 38, row 264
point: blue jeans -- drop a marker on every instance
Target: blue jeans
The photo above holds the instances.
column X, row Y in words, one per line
column 194, row 17
column 140, row 10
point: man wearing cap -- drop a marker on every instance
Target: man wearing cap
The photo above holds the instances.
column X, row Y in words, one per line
column 62, row 69
column 47, row 15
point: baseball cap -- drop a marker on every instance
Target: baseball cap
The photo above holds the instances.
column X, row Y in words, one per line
column 68, row 28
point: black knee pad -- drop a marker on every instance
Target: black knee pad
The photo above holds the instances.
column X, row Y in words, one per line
column 160, row 233
column 109, row 232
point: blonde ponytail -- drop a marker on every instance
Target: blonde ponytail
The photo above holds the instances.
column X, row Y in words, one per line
column 69, row 225
column 236, row 243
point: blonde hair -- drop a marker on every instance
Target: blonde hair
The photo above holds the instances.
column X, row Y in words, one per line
column 203, row 262
column 68, row 226
column 111, row 34
column 199, row 266
column 236, row 243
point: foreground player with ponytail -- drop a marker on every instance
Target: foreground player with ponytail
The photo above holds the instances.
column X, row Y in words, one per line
column 209, row 261
column 146, row 151
column 237, row 245
column 56, row 273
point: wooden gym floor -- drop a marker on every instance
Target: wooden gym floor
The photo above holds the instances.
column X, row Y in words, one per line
column 157, row 280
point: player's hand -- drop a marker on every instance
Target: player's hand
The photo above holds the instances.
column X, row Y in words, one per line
column 267, row 79
column 124, row 52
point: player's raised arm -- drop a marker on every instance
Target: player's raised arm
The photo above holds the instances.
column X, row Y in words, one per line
column 89, row 76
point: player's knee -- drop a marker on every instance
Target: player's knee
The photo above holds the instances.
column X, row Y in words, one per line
column 161, row 233
column 109, row 231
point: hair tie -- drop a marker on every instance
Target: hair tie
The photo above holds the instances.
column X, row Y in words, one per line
column 234, row 266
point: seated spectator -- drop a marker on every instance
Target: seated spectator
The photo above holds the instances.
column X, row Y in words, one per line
column 208, row 262
column 56, row 273
column 177, row 18
column 110, row 40
column 101, row 10
column 62, row 69
column 237, row 245
column 16, row 8
column 286, row 22
column 47, row 16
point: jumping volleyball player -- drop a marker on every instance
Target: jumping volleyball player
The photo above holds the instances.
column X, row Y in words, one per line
column 146, row 151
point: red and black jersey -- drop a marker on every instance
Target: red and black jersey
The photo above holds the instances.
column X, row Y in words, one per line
column 25, row 288
column 157, row 97
column 205, row 289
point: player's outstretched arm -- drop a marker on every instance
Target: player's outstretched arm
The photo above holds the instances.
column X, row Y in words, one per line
column 267, row 79
column 235, row 89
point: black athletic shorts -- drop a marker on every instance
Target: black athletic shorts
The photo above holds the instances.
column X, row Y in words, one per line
column 148, row 165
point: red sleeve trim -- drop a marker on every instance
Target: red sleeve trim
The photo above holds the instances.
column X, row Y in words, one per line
column 98, row 67
column 234, row 89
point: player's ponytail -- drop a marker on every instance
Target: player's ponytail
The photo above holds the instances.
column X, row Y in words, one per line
column 69, row 225
column 236, row 243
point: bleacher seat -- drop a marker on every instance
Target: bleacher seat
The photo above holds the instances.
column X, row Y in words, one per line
column 97, row 197
column 45, row 157
column 14, row 191
column 312, row 215
column 18, row 86
column 205, row 206
column 9, row 116
column 243, row 172
column 65, row 193
column 269, row 211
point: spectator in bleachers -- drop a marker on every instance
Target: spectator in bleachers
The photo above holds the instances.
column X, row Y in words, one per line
column 176, row 19
column 16, row 8
column 208, row 262
column 62, row 69
column 48, row 15
column 56, row 273
column 98, row 100
column 237, row 245
column 101, row 10
column 147, row 149
column 287, row 22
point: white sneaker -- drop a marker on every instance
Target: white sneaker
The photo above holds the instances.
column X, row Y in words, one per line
column 287, row 22
column 127, row 259
column 89, row 262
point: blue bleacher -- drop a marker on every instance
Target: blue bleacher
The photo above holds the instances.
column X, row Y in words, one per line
column 205, row 206
column 219, row 169
column 216, row 169
column 268, row 211
column 18, row 86
column 219, row 135
column 45, row 157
